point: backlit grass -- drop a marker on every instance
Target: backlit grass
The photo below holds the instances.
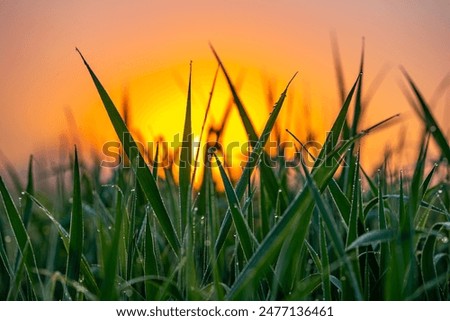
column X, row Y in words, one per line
column 322, row 230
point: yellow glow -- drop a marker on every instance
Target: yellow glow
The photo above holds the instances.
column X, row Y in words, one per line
column 157, row 103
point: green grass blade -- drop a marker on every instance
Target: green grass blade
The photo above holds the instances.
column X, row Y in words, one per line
column 108, row 289
column 16, row 280
column 326, row 283
column 266, row 171
column 341, row 201
column 155, row 164
column 22, row 238
column 250, row 166
column 143, row 173
column 253, row 137
column 353, row 221
column 336, row 129
column 246, row 237
column 89, row 279
column 271, row 245
column 372, row 237
column 432, row 125
column 150, row 261
column 332, row 229
column 384, row 248
column 76, row 237
column 186, row 161
column 30, row 191
column 429, row 273
column 6, row 271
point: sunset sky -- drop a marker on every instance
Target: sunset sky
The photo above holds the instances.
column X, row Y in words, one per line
column 143, row 49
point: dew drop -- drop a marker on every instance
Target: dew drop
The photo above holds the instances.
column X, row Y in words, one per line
column 440, row 191
column 432, row 129
column 109, row 227
column 8, row 239
column 444, row 240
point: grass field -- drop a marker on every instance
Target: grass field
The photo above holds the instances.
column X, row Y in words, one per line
column 325, row 229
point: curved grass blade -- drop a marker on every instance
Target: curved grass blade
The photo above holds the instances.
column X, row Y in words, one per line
column 241, row 186
column 89, row 279
column 266, row 171
column 22, row 238
column 429, row 273
column 432, row 125
column 303, row 204
column 143, row 173
column 76, row 237
column 377, row 236
column 332, row 229
column 246, row 237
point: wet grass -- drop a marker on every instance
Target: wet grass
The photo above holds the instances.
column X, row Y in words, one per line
column 337, row 233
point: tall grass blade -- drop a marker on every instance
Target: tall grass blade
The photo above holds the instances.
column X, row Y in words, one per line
column 89, row 279
column 186, row 162
column 76, row 237
column 427, row 116
column 429, row 273
column 250, row 166
column 30, row 191
column 143, row 173
column 273, row 186
column 109, row 290
column 22, row 239
column 246, row 237
column 332, row 229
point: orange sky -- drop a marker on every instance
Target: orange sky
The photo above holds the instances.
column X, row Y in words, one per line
column 146, row 46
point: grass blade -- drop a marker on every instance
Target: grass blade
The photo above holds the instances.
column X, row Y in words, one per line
column 250, row 166
column 108, row 290
column 143, row 173
column 22, row 238
column 430, row 122
column 89, row 279
column 185, row 162
column 372, row 237
column 76, row 237
column 246, row 237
